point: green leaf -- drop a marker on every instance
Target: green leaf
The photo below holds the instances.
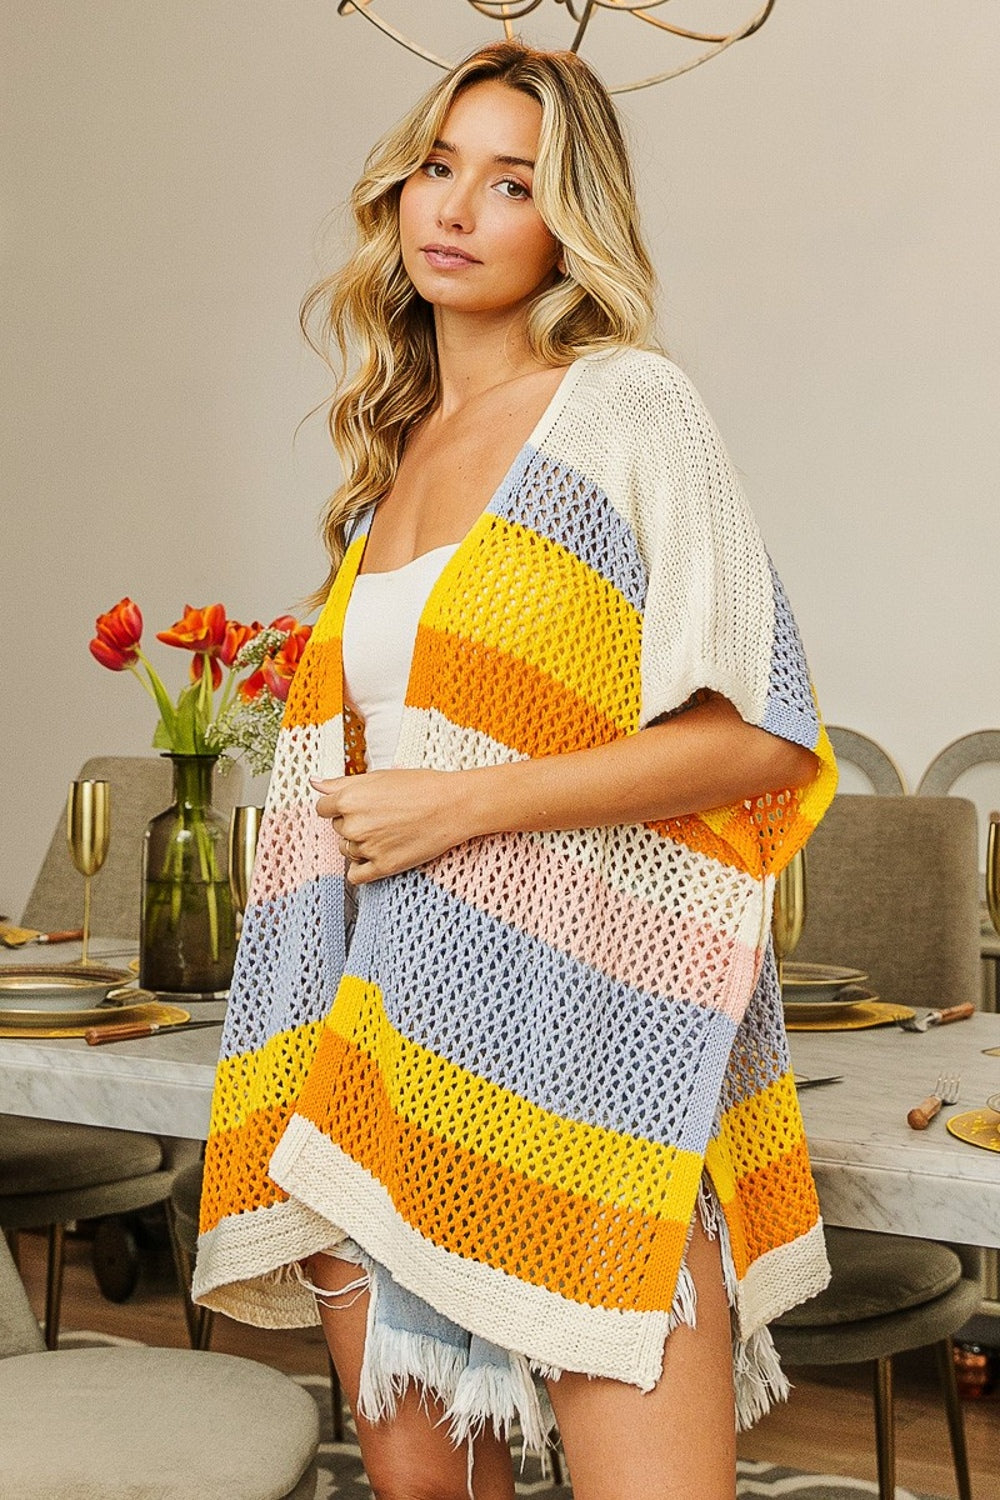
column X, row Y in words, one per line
column 188, row 728
column 166, row 708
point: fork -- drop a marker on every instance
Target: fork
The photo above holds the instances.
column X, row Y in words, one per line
column 945, row 1092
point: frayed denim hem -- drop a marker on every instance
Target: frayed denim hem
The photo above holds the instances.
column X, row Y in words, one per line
column 480, row 1385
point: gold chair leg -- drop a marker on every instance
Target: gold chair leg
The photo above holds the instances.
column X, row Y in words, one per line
column 885, row 1430
column 53, row 1284
column 204, row 1319
column 14, row 1246
column 336, row 1402
column 182, row 1268
column 945, row 1353
column 199, row 1320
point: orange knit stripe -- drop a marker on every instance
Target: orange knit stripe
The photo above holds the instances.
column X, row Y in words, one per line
column 611, row 1256
column 777, row 1203
column 236, row 1163
column 316, row 695
column 480, row 686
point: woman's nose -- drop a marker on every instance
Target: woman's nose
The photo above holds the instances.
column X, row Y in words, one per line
column 455, row 207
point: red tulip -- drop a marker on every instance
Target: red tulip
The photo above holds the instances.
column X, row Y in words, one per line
column 198, row 669
column 279, row 669
column 236, row 638
column 116, row 645
column 276, row 672
column 201, row 630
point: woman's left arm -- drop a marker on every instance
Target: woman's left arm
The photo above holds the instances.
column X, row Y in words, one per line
column 707, row 756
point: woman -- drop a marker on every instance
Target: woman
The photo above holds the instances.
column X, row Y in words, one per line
column 538, row 1125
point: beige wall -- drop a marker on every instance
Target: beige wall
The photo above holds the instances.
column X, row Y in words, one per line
column 823, row 205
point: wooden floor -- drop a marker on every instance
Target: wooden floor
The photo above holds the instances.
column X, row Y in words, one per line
column 826, row 1427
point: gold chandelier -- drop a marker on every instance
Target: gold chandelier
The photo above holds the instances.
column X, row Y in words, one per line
column 580, row 13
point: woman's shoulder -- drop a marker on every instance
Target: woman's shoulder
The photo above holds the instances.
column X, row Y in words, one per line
column 639, row 377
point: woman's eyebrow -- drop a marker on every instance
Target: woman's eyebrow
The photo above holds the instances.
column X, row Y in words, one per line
column 503, row 161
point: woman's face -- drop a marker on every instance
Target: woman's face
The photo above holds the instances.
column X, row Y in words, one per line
column 472, row 239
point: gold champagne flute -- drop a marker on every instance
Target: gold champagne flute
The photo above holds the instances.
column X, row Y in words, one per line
column 993, row 870
column 789, row 915
column 88, row 832
column 244, row 827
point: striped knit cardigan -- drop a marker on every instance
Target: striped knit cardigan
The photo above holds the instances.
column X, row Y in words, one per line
column 508, row 1093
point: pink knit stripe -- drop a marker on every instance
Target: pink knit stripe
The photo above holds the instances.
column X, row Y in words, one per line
column 296, row 846
column 617, row 933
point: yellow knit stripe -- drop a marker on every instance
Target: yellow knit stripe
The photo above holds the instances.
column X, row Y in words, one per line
column 265, row 1079
column 545, row 629
column 330, row 623
column 497, row 1125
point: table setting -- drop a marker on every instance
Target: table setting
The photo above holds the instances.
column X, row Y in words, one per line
column 911, row 1090
column 81, row 987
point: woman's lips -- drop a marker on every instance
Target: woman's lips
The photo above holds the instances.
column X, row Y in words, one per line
column 444, row 259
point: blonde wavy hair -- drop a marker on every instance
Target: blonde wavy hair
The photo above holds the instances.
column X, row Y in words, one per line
column 370, row 311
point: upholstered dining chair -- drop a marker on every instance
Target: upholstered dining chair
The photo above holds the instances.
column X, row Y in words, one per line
column 893, row 891
column 135, row 1423
column 868, row 756
column 182, row 1216
column 969, row 750
column 52, row 1172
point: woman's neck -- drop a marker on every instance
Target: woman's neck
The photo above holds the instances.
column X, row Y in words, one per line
column 478, row 353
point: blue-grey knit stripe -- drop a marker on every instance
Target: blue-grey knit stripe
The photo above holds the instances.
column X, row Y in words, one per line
column 790, row 711
column 583, row 520
column 760, row 1049
column 508, row 1008
column 288, row 965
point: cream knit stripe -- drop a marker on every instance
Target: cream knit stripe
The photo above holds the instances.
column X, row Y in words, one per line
column 498, row 1307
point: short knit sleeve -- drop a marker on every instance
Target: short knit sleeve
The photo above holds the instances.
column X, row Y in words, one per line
column 715, row 615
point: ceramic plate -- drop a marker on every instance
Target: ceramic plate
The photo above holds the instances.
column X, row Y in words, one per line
column 96, row 1016
column 50, row 989
column 819, row 984
column 826, row 1010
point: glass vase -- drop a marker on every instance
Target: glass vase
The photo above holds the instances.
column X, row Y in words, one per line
column 187, row 940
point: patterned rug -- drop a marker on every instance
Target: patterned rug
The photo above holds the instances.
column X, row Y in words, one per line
column 342, row 1475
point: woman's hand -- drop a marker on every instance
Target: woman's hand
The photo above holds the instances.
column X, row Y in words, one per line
column 388, row 821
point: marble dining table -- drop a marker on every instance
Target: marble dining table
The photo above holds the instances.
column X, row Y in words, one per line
column 872, row 1170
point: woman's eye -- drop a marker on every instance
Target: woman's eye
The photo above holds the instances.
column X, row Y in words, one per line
column 511, row 188
column 435, row 169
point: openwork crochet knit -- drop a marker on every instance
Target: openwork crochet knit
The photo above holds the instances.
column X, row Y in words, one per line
column 509, row 1092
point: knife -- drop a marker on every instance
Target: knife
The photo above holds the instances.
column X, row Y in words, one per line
column 96, row 1036
column 17, row 937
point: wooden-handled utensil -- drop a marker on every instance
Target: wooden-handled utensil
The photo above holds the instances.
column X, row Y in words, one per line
column 17, row 937
column 945, row 1092
column 937, row 1018
column 128, row 1031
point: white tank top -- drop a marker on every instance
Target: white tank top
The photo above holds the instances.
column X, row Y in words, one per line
column 380, row 631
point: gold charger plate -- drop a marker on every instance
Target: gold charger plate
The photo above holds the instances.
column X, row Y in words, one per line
column 860, row 1016
column 979, row 1127
column 63, row 1025
column 44, row 990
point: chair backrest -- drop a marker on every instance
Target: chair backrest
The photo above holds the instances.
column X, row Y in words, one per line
column 970, row 752
column 874, row 763
column 892, row 889
column 961, row 755
column 140, row 788
column 19, row 1330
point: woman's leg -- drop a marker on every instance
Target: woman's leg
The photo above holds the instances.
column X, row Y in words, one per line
column 409, row 1456
column 676, row 1442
